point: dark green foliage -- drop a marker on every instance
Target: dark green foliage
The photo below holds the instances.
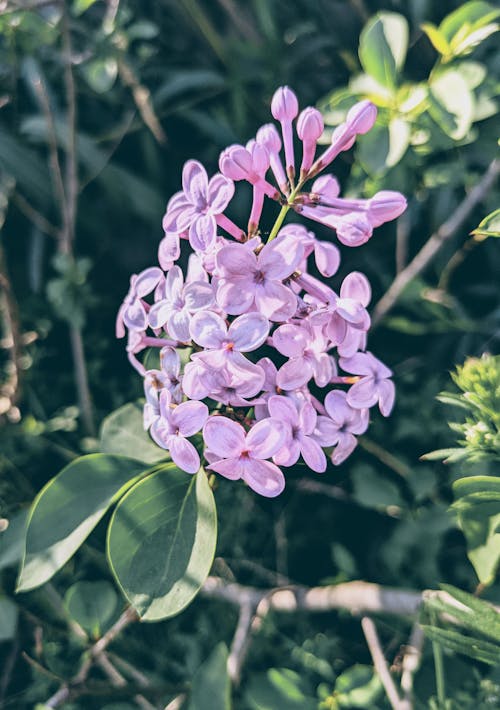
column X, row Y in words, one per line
column 205, row 72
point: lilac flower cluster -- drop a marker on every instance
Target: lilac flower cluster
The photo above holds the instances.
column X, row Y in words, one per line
column 262, row 339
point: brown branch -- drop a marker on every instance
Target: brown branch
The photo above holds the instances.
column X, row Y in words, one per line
column 142, row 99
column 35, row 217
column 435, row 242
column 241, row 642
column 411, row 662
column 11, row 340
column 381, row 667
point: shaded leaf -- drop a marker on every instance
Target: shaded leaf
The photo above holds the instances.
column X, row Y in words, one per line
column 91, row 605
column 122, row 432
column 161, row 541
column 8, row 619
column 67, row 509
column 211, row 687
column 358, row 686
column 460, row 643
column 279, row 688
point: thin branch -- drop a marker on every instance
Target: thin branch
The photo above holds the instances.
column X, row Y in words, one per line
column 35, row 217
column 435, row 242
column 309, row 485
column 380, row 664
column 240, row 643
column 411, row 662
column 385, row 457
column 71, row 151
column 11, row 340
column 6, row 9
column 118, row 681
column 142, row 99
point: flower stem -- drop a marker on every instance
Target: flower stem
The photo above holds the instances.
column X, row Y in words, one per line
column 283, row 211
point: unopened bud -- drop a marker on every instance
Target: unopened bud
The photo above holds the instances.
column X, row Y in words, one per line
column 284, row 104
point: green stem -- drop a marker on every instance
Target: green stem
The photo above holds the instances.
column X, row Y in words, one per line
column 439, row 669
column 283, row 212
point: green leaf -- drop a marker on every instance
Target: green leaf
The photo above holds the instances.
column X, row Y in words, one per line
column 358, row 686
column 92, row 605
column 451, row 103
column 8, row 619
column 471, row 15
column 384, row 146
column 437, row 38
column 374, row 490
column 122, row 432
column 211, row 687
column 100, row 74
column 478, row 507
column 483, row 651
column 12, row 540
column 67, row 509
column 80, row 6
column 472, row 613
column 279, row 688
column 473, row 39
column 489, row 227
column 161, row 541
column 382, row 47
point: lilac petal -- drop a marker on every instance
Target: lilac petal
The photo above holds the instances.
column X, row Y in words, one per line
column 174, row 283
column 358, row 364
column 161, row 434
column 336, row 329
column 353, row 341
column 169, row 250
column 184, row 454
column 353, row 312
column 359, row 421
column 229, row 468
column 326, row 432
column 189, row 417
column 224, row 437
column 337, row 407
column 265, row 438
column 294, row 373
column 346, row 445
column 178, row 220
column 220, row 192
column 236, row 260
column 288, row 454
column 170, row 361
column 195, row 380
column 147, row 281
column 208, row 329
column 387, row 395
column 270, row 372
column 363, row 394
column 243, row 370
column 248, row 332
column 135, row 317
column 356, row 285
column 198, row 295
column 307, row 418
column 282, row 408
column 235, row 297
column 263, row 477
column 291, row 340
column 323, row 369
column 281, row 257
column 195, row 270
column 313, row 454
column 195, row 183
column 327, row 258
column 159, row 314
column 203, row 232
column 275, row 301
column 178, row 325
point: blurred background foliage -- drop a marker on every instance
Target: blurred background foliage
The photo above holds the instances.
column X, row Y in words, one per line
column 158, row 82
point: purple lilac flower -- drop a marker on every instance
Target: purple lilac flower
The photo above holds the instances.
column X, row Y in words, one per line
column 300, row 424
column 306, row 347
column 340, row 426
column 197, row 207
column 171, row 429
column 242, row 455
column 374, row 384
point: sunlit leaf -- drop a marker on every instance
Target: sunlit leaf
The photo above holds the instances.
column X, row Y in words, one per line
column 438, row 40
column 67, row 509
column 161, row 541
column 122, row 432
column 452, row 103
column 489, row 227
column 383, row 45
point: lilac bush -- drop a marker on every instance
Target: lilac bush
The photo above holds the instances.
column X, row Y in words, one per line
column 277, row 367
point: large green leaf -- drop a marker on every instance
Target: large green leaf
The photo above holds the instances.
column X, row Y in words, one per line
column 382, row 47
column 451, row 103
column 470, row 17
column 477, row 502
column 161, row 541
column 383, row 147
column 91, row 604
column 211, row 687
column 123, row 433
column 67, row 509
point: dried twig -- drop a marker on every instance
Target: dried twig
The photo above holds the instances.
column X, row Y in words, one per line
column 411, row 662
column 380, row 664
column 11, row 341
column 241, row 641
column 435, row 242
column 142, row 99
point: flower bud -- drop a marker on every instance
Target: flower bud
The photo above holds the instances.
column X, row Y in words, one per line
column 235, row 163
column 269, row 137
column 327, row 186
column 284, row 104
column 385, row 206
column 361, row 117
column 260, row 157
column 353, row 230
column 310, row 124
